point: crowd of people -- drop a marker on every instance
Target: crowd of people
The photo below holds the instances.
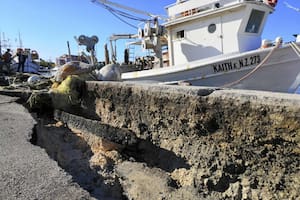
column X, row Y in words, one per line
column 7, row 57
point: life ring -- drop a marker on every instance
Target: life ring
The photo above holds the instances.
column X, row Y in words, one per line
column 272, row 3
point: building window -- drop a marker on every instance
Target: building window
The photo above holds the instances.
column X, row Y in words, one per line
column 180, row 34
column 255, row 21
column 212, row 28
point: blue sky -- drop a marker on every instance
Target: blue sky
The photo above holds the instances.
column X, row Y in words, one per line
column 47, row 25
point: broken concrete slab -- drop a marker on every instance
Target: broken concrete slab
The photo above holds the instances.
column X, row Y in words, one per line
column 119, row 136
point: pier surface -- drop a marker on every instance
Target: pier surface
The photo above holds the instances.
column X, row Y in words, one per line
column 26, row 171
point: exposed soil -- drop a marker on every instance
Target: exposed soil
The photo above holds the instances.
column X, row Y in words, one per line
column 131, row 142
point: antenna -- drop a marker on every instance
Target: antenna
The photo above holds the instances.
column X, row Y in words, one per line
column 291, row 7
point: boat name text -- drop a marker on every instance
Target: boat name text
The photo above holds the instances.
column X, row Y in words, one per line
column 238, row 64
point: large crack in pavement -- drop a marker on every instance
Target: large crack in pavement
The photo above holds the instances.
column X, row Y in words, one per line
column 108, row 170
column 93, row 172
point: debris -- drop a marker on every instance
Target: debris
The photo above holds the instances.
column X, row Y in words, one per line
column 72, row 68
column 109, row 72
column 68, row 92
column 33, row 79
column 3, row 81
column 39, row 102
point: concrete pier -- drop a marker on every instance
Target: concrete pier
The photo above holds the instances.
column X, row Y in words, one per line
column 209, row 143
column 116, row 140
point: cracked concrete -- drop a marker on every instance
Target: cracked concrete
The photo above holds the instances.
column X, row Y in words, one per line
column 127, row 141
column 26, row 171
column 214, row 144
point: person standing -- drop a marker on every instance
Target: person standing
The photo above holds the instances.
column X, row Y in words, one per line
column 7, row 57
column 22, row 58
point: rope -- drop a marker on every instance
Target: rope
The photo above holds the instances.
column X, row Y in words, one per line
column 237, row 81
column 254, row 70
column 296, row 48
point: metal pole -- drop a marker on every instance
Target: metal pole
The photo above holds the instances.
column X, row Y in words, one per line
column 69, row 51
column 106, row 53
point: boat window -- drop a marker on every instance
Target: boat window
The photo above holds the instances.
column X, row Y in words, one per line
column 255, row 20
column 212, row 28
column 180, row 34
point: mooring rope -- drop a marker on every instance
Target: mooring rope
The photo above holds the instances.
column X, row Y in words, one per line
column 232, row 83
column 296, row 48
column 255, row 69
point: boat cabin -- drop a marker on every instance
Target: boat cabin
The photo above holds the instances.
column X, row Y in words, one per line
column 201, row 29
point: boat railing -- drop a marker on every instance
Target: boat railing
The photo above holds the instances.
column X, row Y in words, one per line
column 188, row 8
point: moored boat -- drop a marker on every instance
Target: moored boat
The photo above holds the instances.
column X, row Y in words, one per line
column 31, row 65
column 218, row 43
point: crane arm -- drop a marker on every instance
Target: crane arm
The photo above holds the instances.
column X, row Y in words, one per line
column 106, row 2
column 116, row 37
column 122, row 36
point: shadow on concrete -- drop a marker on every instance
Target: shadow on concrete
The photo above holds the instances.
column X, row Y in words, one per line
column 154, row 156
column 140, row 150
column 72, row 154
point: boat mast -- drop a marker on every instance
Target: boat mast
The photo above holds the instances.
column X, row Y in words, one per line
column 0, row 44
column 20, row 41
column 4, row 42
column 69, row 50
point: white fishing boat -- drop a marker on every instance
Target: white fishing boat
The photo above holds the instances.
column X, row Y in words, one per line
column 218, row 43
column 31, row 63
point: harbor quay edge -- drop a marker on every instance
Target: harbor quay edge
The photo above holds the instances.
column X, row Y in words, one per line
column 221, row 138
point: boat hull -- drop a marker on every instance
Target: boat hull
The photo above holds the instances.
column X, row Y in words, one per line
column 29, row 67
column 262, row 69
